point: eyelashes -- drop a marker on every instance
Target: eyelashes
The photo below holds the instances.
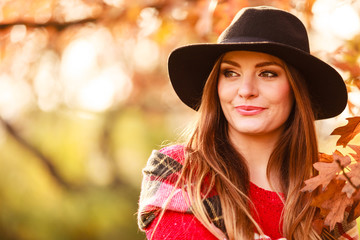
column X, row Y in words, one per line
column 227, row 73
column 268, row 74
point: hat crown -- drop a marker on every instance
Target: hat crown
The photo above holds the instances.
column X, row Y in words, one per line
column 266, row 24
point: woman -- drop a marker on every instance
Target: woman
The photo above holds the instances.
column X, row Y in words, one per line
column 258, row 92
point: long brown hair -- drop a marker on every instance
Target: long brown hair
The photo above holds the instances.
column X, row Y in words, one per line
column 211, row 158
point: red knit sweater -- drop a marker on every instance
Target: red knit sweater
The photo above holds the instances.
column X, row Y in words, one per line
column 178, row 225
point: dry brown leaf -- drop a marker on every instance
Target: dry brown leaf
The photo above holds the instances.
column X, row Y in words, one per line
column 318, row 225
column 340, row 181
column 354, row 176
column 323, row 157
column 332, row 203
column 333, row 188
column 327, row 172
column 355, row 155
column 337, row 205
column 312, row 183
column 347, row 132
column 348, row 189
column 344, row 161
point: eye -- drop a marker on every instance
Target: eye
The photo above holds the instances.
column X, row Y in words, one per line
column 268, row 74
column 229, row 73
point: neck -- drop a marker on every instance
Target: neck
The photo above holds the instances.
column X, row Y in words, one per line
column 256, row 150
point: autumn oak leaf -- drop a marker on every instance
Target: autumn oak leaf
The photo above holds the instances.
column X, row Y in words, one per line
column 347, row 132
column 327, row 172
column 337, row 205
column 318, row 225
column 355, row 155
column 333, row 188
column 323, row 157
column 353, row 179
column 332, row 203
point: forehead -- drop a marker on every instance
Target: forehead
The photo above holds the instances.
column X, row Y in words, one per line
column 249, row 55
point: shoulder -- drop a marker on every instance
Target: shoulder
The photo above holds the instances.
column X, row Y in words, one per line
column 165, row 163
column 176, row 152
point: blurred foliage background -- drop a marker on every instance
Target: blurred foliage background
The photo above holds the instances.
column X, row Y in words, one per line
column 84, row 98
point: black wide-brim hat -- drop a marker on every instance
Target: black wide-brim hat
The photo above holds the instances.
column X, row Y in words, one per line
column 267, row 30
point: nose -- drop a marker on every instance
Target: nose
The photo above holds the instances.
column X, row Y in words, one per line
column 247, row 87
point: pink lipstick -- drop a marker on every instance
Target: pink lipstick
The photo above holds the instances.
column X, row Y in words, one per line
column 247, row 110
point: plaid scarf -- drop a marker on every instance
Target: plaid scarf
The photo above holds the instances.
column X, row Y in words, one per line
column 160, row 176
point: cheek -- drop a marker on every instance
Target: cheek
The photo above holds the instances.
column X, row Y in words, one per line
column 282, row 89
column 285, row 98
column 280, row 95
column 225, row 91
column 222, row 91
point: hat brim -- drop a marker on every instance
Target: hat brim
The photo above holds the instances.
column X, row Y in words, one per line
column 189, row 67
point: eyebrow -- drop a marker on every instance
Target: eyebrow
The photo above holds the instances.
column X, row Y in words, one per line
column 259, row 65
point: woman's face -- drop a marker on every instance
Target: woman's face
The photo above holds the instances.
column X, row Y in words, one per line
column 254, row 92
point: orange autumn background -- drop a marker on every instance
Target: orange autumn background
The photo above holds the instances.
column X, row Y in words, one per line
column 85, row 97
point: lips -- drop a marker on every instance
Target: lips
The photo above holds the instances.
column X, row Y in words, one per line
column 247, row 110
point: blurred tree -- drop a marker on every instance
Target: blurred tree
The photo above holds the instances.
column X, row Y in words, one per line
column 85, row 98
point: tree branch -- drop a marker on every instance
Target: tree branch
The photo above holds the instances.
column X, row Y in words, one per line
column 58, row 25
column 37, row 153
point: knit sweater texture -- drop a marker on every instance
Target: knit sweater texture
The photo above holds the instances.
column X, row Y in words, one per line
column 180, row 225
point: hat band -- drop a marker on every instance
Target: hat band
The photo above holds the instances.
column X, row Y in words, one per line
column 242, row 39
